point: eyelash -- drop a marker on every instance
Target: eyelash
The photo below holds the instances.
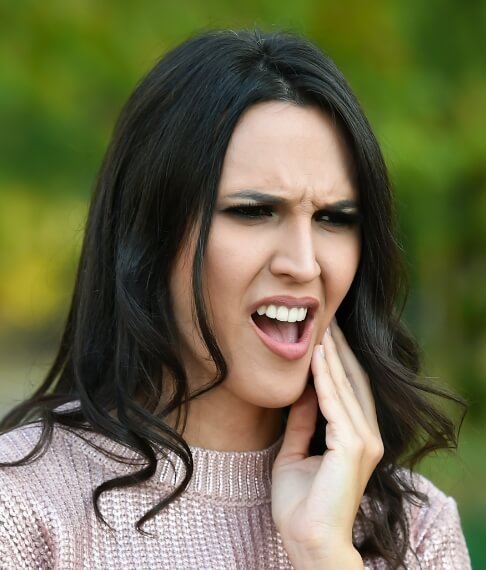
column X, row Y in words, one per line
column 337, row 219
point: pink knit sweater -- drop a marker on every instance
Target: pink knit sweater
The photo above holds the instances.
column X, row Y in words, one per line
column 223, row 519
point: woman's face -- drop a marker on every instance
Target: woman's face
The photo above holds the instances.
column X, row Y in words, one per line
column 295, row 154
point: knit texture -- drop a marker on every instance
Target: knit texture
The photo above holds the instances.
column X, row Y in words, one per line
column 222, row 521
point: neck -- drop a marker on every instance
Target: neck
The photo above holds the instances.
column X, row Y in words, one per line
column 210, row 426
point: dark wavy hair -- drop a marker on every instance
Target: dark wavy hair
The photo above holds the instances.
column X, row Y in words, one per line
column 158, row 182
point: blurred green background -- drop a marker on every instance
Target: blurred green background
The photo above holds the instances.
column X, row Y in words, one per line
column 418, row 69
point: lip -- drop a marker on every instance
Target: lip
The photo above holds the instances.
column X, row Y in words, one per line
column 290, row 351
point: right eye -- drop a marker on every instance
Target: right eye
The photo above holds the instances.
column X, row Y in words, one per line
column 254, row 212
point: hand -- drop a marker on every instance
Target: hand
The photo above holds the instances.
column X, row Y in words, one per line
column 315, row 499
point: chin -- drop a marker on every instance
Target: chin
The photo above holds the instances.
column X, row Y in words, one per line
column 274, row 394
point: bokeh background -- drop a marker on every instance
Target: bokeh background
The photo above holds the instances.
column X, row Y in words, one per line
column 417, row 68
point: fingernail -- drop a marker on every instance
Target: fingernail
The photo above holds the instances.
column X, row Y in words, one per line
column 321, row 351
column 328, row 331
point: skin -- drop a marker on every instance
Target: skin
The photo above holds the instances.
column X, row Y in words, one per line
column 292, row 152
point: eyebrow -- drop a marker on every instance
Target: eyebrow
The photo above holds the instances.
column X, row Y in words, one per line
column 272, row 200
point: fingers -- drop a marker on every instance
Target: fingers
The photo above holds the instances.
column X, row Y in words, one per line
column 349, row 399
column 356, row 376
column 301, row 424
column 340, row 431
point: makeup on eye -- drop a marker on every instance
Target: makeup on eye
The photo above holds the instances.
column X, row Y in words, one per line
column 336, row 215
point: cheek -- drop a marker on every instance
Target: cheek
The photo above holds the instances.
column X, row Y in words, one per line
column 339, row 264
column 230, row 266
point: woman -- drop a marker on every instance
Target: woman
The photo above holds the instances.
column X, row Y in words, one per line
column 239, row 271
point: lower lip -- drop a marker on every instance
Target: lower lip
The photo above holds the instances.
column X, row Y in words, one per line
column 290, row 351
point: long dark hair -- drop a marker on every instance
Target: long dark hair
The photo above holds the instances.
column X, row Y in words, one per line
column 157, row 183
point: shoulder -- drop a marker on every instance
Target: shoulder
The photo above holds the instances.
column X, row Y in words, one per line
column 47, row 469
column 65, row 462
column 436, row 532
column 16, row 444
column 422, row 513
column 436, row 539
column 62, row 475
column 63, row 457
column 46, row 503
column 26, row 536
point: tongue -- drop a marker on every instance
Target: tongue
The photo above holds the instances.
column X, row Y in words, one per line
column 278, row 330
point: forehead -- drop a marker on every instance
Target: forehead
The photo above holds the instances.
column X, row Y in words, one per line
column 289, row 149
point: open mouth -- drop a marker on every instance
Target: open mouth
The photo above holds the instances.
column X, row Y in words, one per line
column 281, row 331
column 287, row 340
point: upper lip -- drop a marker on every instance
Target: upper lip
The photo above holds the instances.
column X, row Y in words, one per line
column 311, row 303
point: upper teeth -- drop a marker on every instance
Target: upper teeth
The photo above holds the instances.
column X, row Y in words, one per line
column 283, row 313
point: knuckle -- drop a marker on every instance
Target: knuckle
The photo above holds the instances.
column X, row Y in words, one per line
column 377, row 449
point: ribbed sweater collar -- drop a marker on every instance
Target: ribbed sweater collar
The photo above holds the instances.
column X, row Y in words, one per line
column 238, row 476
column 234, row 477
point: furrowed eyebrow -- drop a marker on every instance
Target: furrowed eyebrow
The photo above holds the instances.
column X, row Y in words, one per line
column 272, row 200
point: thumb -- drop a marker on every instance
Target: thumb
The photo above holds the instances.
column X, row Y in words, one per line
column 301, row 424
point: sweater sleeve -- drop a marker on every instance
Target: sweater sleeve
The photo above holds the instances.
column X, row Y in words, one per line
column 25, row 541
column 443, row 545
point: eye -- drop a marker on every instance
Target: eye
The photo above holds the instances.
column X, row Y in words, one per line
column 246, row 211
column 341, row 218
column 329, row 218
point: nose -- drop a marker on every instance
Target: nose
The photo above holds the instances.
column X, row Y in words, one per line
column 295, row 254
